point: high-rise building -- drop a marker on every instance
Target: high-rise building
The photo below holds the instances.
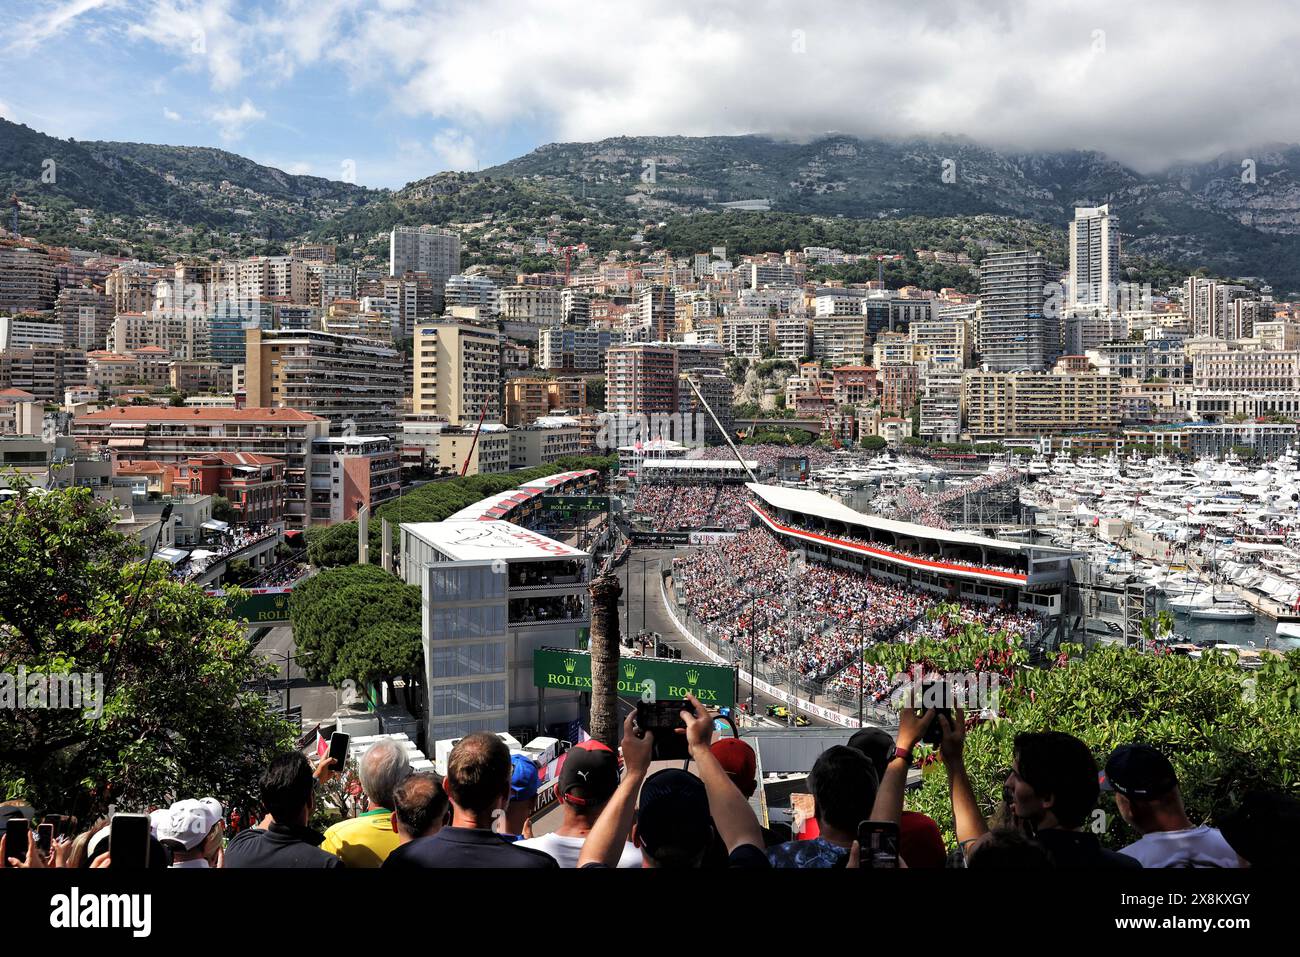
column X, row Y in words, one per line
column 457, row 369
column 27, row 277
column 641, row 379
column 475, row 292
column 1016, row 331
column 538, row 305
column 658, row 310
column 355, row 383
column 426, row 249
column 1033, row 403
column 718, row 392
column 563, row 349
column 1094, row 256
column 86, row 313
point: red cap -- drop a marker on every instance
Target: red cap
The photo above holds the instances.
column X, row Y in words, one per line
column 738, row 760
column 919, row 841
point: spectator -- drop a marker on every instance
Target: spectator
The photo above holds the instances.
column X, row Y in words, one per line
column 920, row 842
column 1148, row 798
column 420, row 809
column 741, row 764
column 1054, row 789
column 588, row 779
column 1008, row 849
column 478, row 785
column 287, row 841
column 1264, row 830
column 843, row 784
column 679, row 814
column 365, row 840
column 523, row 792
column 191, row 830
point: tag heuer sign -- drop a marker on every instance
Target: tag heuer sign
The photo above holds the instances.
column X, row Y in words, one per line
column 570, row 669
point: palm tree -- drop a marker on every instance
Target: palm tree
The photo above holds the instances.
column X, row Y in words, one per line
column 604, row 659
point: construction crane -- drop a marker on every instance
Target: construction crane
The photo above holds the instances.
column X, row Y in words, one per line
column 568, row 254
column 473, row 442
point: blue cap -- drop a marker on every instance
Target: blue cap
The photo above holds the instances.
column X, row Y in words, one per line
column 523, row 778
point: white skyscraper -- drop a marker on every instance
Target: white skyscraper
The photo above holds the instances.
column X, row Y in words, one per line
column 1094, row 256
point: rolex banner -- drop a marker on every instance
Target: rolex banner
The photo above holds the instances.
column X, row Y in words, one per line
column 570, row 669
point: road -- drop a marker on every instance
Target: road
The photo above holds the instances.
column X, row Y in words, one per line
column 317, row 699
column 640, row 575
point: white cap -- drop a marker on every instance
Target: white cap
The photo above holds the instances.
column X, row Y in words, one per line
column 186, row 822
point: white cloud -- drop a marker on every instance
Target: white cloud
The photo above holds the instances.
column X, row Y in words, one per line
column 1148, row 83
column 455, row 150
column 233, row 120
column 171, row 115
column 51, row 20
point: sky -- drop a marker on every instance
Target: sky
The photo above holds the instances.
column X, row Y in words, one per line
column 382, row 92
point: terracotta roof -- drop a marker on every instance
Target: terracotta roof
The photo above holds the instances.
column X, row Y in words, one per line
column 17, row 395
column 240, row 458
column 171, row 414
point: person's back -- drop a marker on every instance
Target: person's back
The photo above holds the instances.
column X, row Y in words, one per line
column 478, row 785
column 287, row 841
column 1148, row 798
column 843, row 784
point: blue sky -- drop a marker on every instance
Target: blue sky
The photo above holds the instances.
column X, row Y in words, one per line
column 407, row 88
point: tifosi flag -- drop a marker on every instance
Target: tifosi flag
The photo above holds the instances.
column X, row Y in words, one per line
column 322, row 746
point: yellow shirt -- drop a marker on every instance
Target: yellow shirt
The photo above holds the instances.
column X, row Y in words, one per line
column 363, row 841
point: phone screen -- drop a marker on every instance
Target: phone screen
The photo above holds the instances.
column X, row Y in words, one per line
column 45, row 837
column 664, row 719
column 339, row 749
column 16, row 838
column 878, row 844
column 128, row 841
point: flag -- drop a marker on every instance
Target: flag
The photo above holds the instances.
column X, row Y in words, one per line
column 322, row 746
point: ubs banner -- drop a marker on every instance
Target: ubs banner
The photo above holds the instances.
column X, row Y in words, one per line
column 570, row 669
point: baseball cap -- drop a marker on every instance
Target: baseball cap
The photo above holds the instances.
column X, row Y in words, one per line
column 588, row 775
column 673, row 820
column 1265, row 829
column 16, row 809
column 186, row 823
column 877, row 744
column 738, row 760
column 1138, row 771
column 523, row 778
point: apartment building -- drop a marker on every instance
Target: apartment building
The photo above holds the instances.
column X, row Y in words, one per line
column 528, row 399
column 351, row 472
column 1017, row 331
column 46, row 373
column 356, row 384
column 536, row 305
column 1161, row 358
column 30, row 333
column 563, row 349
column 475, row 292
column 942, row 340
column 86, row 314
column 641, row 379
column 1225, row 370
column 940, row 401
column 1094, row 256
column 457, row 372
column 182, row 334
column 543, row 444
column 657, row 312
column 899, row 386
column 840, row 339
column 175, row 435
column 997, row 404
column 27, row 277
column 718, row 392
column 854, row 385
column 792, row 336
column 253, row 484
column 268, row 277
column 457, row 449
column 429, row 250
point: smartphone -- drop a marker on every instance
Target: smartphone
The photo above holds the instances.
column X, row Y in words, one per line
column 128, row 841
column 664, row 720
column 339, row 749
column 57, row 821
column 878, row 844
column 16, row 838
column 936, row 695
column 45, row 838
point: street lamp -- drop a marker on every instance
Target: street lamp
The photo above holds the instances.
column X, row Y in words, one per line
column 288, row 679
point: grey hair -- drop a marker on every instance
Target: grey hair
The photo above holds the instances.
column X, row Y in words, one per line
column 382, row 768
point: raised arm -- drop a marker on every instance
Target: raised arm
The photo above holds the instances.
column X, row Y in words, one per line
column 732, row 815
column 608, row 836
column 966, row 814
column 889, row 796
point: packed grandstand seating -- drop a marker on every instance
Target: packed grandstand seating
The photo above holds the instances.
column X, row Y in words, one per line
column 673, row 507
column 911, row 504
column 768, row 456
column 748, row 585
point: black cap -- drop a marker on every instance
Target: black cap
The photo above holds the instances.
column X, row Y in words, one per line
column 1139, row 771
column 673, row 821
column 588, row 775
column 1265, row 829
column 16, row 810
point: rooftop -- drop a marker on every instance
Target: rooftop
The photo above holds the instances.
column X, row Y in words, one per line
column 489, row 541
column 172, row 414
